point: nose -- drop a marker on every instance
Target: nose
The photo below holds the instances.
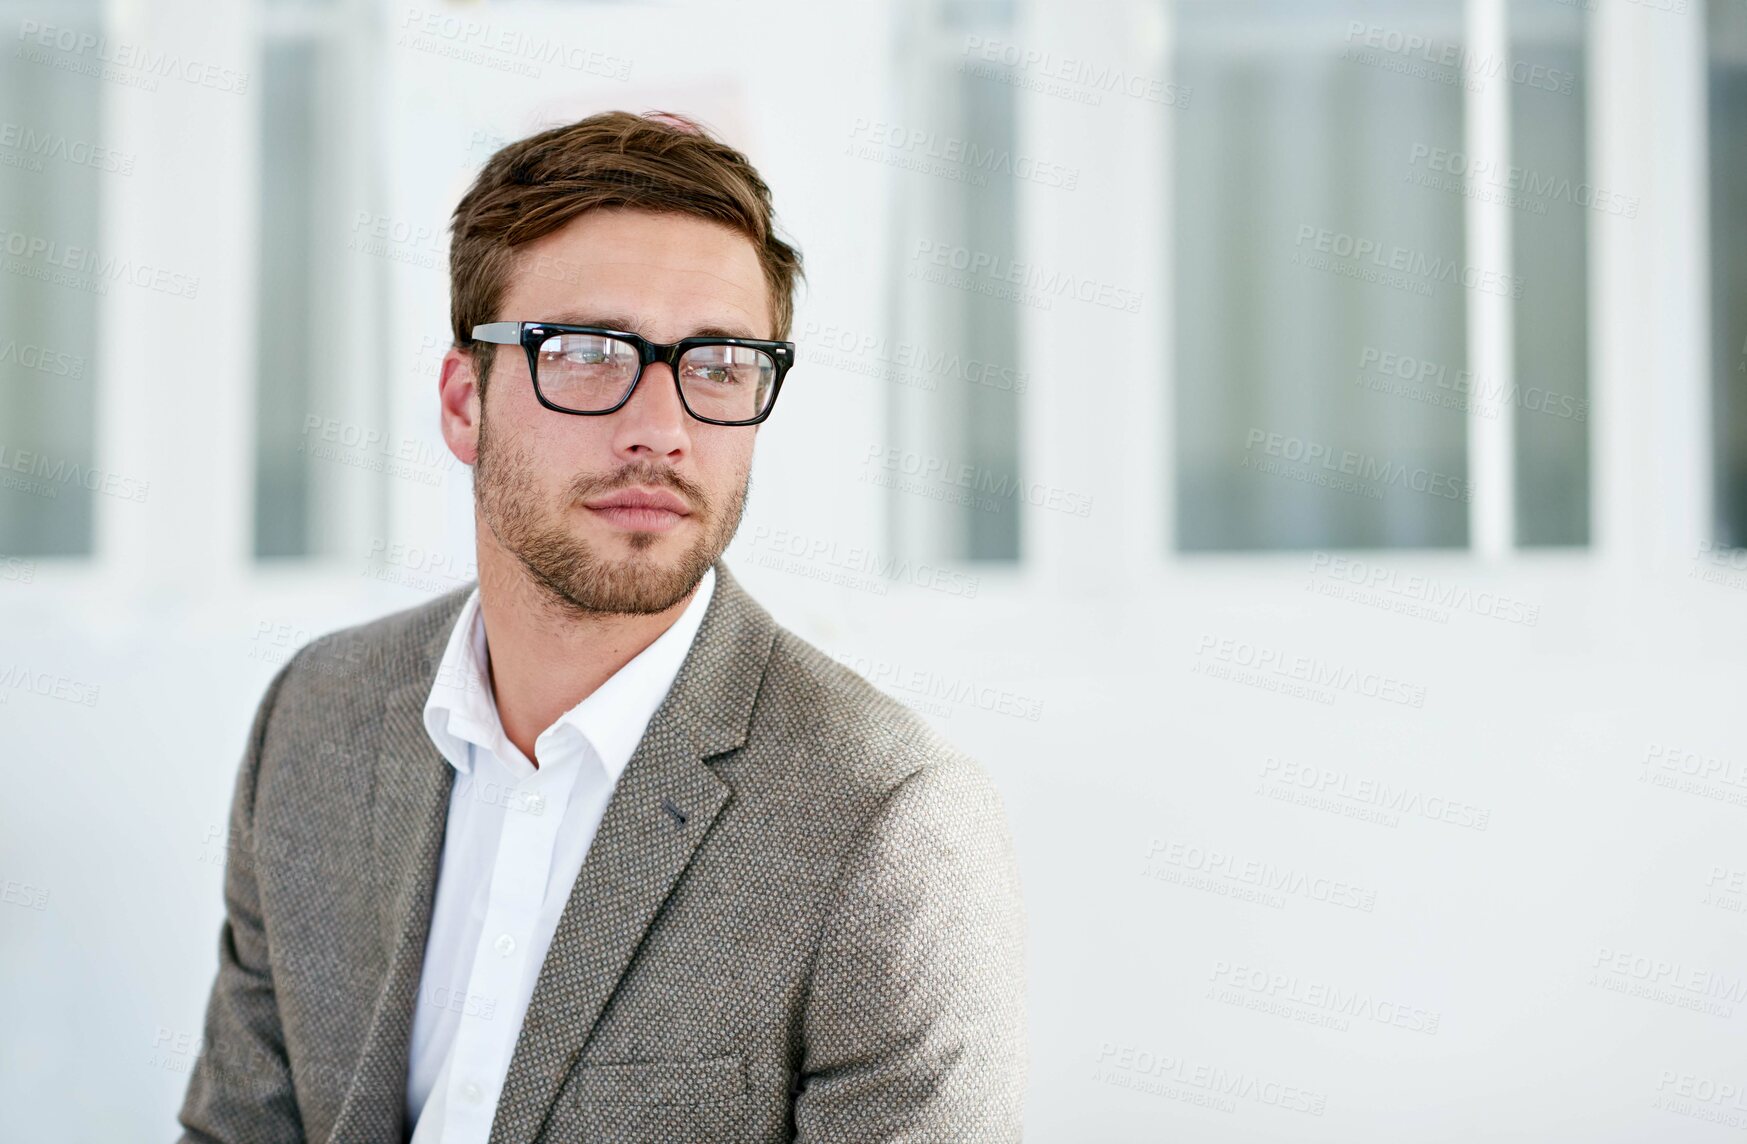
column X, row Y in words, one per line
column 654, row 421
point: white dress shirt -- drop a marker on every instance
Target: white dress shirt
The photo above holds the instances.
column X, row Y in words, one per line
column 514, row 842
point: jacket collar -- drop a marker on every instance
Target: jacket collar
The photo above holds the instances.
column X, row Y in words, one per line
column 460, row 711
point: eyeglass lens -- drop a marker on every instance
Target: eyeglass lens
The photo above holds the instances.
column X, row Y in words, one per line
column 591, row 372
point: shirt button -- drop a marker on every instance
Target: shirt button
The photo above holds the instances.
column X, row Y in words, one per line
column 536, row 803
column 505, row 944
column 471, row 1092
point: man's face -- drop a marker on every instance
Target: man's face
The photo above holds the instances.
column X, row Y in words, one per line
column 538, row 471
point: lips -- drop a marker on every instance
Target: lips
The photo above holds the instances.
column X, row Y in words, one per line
column 656, row 500
column 641, row 509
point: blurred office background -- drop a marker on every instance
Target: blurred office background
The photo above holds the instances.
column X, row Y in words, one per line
column 1300, row 446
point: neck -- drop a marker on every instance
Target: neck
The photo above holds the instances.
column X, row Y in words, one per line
column 544, row 659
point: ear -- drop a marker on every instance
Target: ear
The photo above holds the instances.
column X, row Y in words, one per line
column 458, row 402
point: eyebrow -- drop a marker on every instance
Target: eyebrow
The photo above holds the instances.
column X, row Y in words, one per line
column 620, row 322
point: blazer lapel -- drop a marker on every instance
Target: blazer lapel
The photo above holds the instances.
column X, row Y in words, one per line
column 658, row 814
column 411, row 783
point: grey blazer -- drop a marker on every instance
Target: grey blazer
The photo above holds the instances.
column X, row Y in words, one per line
column 800, row 918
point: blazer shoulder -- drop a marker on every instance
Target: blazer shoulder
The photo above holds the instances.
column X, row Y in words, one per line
column 829, row 715
column 374, row 657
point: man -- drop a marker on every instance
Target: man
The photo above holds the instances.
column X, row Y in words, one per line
column 598, row 851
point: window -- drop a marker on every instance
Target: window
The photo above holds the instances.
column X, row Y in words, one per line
column 1728, row 244
column 1355, row 246
column 1551, row 200
column 325, row 252
column 952, row 154
column 54, row 170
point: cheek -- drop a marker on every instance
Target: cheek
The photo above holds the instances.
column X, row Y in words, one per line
column 724, row 464
column 561, row 448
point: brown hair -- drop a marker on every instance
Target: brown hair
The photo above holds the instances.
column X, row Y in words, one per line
column 656, row 162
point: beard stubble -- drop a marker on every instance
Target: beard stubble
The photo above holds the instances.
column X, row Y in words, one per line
column 571, row 574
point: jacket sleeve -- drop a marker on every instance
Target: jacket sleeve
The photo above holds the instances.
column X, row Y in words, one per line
column 915, row 1021
column 240, row 1086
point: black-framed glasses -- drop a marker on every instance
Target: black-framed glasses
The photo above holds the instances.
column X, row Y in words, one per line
column 591, row 370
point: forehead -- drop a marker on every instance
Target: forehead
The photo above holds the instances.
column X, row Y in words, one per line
column 674, row 274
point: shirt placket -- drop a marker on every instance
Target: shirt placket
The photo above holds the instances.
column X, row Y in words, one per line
column 505, row 952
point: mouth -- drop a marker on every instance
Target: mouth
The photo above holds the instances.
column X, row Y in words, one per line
column 641, row 510
column 640, row 519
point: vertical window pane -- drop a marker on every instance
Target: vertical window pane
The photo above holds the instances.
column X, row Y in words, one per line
column 49, row 293
column 1728, row 149
column 1321, row 283
column 1551, row 201
column 959, row 206
column 988, row 418
column 283, row 332
column 326, row 462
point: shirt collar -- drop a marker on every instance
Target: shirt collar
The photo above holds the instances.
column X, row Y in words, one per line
column 461, row 710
